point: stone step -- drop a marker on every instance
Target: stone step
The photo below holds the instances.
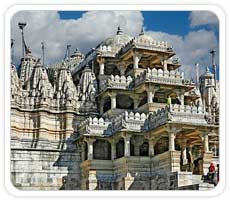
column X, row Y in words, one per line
column 206, row 186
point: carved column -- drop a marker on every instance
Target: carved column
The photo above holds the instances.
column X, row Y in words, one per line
column 184, row 152
column 113, row 150
column 165, row 65
column 171, row 141
column 136, row 59
column 150, row 96
column 127, row 145
column 206, row 143
column 83, row 151
column 113, row 101
column 151, row 147
column 90, row 148
column 182, row 99
column 101, row 66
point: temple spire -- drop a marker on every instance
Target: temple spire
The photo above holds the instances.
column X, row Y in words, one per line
column 142, row 31
column 213, row 52
column 119, row 31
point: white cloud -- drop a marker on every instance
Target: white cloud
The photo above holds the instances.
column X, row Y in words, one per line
column 193, row 48
column 95, row 26
column 84, row 33
column 198, row 18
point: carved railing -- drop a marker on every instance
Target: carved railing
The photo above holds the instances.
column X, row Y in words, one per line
column 157, row 119
column 159, row 76
column 147, row 44
column 95, row 126
column 116, row 82
column 129, row 121
column 176, row 113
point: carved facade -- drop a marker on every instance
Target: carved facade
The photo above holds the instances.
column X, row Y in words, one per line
column 101, row 121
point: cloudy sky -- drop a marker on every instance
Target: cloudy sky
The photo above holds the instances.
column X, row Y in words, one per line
column 192, row 34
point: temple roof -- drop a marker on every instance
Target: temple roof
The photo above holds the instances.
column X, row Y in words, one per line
column 116, row 41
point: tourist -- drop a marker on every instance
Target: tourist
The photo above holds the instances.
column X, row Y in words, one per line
column 169, row 102
column 217, row 171
column 211, row 172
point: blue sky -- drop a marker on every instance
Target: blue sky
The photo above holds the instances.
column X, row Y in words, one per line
column 192, row 34
column 172, row 22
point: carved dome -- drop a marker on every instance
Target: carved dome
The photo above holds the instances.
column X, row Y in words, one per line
column 117, row 41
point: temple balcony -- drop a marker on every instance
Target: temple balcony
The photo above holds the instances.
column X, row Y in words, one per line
column 129, row 121
column 178, row 114
column 138, row 43
column 160, row 76
column 94, row 127
column 116, row 82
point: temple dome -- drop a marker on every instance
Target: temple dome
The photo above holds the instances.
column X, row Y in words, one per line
column 116, row 41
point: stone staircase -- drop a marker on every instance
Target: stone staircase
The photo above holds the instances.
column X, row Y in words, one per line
column 188, row 181
column 205, row 186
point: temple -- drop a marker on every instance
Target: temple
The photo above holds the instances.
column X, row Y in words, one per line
column 121, row 117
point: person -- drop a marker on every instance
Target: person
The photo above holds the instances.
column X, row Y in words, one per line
column 218, row 176
column 211, row 171
column 169, row 102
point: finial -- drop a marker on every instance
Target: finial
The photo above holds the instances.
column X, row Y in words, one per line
column 119, row 31
column 142, row 31
column 28, row 50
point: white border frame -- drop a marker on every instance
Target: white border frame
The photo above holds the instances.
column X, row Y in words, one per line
column 222, row 55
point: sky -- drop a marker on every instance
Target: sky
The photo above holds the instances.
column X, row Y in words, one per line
column 192, row 34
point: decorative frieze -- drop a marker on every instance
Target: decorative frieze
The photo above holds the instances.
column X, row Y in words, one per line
column 159, row 76
column 117, row 82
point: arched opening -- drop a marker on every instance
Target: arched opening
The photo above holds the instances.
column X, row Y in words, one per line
column 124, row 102
column 120, row 146
column 162, row 145
column 144, row 149
column 160, row 97
column 143, row 99
column 101, row 150
column 111, row 69
column 129, row 69
column 107, row 104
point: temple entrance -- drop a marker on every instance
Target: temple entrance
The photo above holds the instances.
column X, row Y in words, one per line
column 161, row 146
column 144, row 149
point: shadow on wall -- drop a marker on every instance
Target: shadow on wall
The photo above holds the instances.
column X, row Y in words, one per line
column 69, row 160
column 155, row 182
